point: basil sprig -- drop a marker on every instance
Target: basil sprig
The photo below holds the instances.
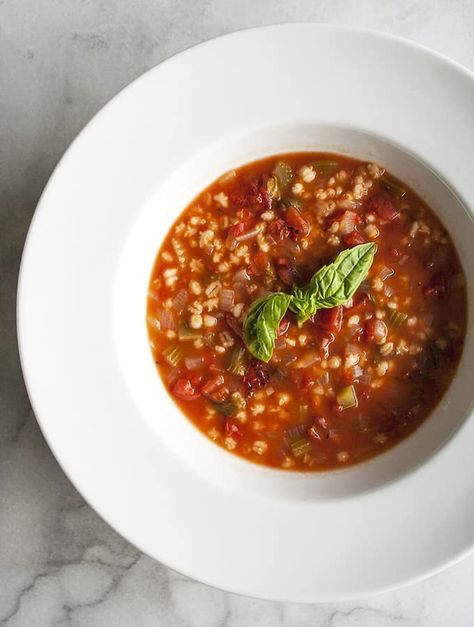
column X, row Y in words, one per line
column 261, row 324
column 330, row 286
column 333, row 284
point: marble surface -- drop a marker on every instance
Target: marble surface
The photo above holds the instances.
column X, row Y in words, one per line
column 60, row 564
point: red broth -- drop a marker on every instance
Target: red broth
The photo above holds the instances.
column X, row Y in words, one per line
column 353, row 380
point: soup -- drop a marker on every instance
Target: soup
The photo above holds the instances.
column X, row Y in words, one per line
column 307, row 311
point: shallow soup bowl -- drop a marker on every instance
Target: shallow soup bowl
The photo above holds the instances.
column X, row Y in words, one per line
column 85, row 354
column 150, row 395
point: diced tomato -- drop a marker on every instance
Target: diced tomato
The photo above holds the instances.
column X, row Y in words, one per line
column 278, row 229
column 249, row 193
column 211, row 388
column 258, row 264
column 266, row 200
column 329, row 319
column 307, row 382
column 347, row 222
column 354, row 239
column 234, row 325
column 382, row 204
column 301, row 380
column 232, row 428
column 296, row 222
column 236, row 229
column 283, row 326
column 325, row 343
column 284, row 270
column 436, row 286
column 256, row 376
column 244, row 214
column 359, row 300
column 245, row 192
column 375, row 330
column 184, row 388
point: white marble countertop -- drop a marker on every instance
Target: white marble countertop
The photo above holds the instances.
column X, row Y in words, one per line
column 60, row 564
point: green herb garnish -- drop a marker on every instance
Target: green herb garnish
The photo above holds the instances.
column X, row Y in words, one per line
column 330, row 286
column 261, row 324
column 227, row 408
column 333, row 284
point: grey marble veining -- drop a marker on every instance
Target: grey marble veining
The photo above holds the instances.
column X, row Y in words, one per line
column 60, row 564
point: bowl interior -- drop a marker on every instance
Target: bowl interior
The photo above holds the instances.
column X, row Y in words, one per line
column 153, row 220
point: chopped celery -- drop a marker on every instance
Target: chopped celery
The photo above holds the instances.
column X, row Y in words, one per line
column 227, row 408
column 236, row 365
column 283, row 173
column 208, row 339
column 301, row 446
column 185, row 333
column 346, row 397
column 292, row 202
column 273, row 187
column 396, row 318
column 325, row 165
column 392, row 186
column 173, row 354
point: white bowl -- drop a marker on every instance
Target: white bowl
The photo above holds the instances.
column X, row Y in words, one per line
column 82, row 296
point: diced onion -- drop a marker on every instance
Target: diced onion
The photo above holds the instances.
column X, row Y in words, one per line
column 347, row 223
column 193, row 363
column 180, row 300
column 227, row 177
column 154, row 322
column 352, row 349
column 173, row 374
column 289, row 358
column 280, row 342
column 231, row 243
column 347, row 204
column 323, row 380
column 308, row 359
column 241, row 276
column 249, row 234
column 166, row 319
column 290, row 248
column 226, row 299
column 385, row 272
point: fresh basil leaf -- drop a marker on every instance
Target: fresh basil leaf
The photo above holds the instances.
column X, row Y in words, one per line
column 261, row 324
column 335, row 283
column 303, row 303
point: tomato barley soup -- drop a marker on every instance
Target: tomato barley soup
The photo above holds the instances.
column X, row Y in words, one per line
column 307, row 311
